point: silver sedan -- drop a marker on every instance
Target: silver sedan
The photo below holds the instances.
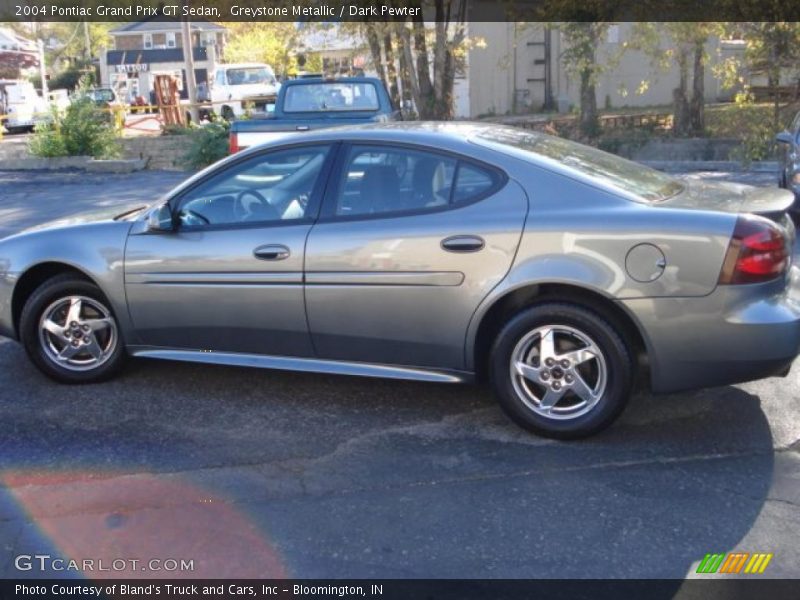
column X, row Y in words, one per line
column 436, row 252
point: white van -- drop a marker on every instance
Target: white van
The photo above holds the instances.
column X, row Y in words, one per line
column 21, row 105
column 235, row 85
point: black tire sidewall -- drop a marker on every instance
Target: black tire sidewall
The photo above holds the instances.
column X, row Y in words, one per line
column 44, row 296
column 615, row 351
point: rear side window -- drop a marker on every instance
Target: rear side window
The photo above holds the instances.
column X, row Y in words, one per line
column 384, row 179
column 471, row 182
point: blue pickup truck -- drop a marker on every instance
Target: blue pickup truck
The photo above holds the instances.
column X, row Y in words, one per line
column 307, row 104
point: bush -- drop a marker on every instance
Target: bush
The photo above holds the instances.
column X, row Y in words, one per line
column 83, row 130
column 207, row 144
column 750, row 122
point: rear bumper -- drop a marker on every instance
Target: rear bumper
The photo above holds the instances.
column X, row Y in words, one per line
column 735, row 334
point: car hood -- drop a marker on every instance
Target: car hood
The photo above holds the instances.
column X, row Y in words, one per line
column 125, row 212
column 731, row 197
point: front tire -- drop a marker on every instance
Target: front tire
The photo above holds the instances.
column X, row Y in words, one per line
column 561, row 371
column 70, row 332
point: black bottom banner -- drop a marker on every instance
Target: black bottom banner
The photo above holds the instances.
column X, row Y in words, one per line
column 406, row 589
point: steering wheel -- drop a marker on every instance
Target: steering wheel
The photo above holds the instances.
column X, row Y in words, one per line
column 244, row 210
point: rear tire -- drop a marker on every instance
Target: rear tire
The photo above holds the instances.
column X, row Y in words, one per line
column 70, row 332
column 561, row 371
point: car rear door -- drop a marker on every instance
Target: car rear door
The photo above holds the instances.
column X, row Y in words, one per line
column 230, row 277
column 410, row 240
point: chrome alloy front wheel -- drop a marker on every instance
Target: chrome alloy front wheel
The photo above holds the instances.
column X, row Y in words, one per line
column 558, row 372
column 78, row 333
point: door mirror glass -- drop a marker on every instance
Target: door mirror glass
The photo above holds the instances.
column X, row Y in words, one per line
column 784, row 137
column 160, row 219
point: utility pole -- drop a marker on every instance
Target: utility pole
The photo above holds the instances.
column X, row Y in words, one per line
column 42, row 69
column 87, row 40
column 188, row 62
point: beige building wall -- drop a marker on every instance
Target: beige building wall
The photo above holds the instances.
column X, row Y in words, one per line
column 506, row 71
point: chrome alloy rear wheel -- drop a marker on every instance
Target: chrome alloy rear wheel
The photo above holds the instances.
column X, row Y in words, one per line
column 558, row 372
column 78, row 333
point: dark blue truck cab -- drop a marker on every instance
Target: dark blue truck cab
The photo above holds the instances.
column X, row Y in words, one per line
column 316, row 103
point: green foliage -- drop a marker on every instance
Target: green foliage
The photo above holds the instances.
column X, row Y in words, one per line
column 746, row 121
column 267, row 42
column 47, row 140
column 82, row 130
column 207, row 144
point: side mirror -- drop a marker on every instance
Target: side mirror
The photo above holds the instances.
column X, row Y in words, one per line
column 161, row 219
column 785, row 137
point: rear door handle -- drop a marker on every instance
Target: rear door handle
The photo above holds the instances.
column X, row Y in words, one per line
column 272, row 252
column 463, row 243
column 302, row 128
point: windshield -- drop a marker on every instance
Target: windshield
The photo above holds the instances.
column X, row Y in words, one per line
column 330, row 96
column 250, row 75
column 626, row 175
column 101, row 95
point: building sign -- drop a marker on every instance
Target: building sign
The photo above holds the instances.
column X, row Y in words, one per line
column 135, row 68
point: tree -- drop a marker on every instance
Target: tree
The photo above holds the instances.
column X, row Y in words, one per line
column 771, row 48
column 684, row 44
column 580, row 58
column 419, row 62
column 267, row 42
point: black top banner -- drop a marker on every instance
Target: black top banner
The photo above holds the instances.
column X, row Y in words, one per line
column 399, row 10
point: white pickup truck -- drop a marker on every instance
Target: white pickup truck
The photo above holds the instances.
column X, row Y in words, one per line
column 21, row 105
column 235, row 87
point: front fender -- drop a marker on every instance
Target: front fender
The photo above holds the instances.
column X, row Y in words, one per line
column 95, row 249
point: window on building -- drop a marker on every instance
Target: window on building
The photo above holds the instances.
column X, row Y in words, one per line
column 171, row 39
column 148, row 41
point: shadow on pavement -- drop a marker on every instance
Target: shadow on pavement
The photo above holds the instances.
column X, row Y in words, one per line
column 323, row 476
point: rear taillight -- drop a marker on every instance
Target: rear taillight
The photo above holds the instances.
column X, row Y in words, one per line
column 757, row 252
column 234, row 143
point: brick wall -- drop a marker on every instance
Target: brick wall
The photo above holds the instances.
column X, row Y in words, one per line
column 163, row 152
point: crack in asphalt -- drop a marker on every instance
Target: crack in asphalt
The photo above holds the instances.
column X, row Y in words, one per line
column 306, row 492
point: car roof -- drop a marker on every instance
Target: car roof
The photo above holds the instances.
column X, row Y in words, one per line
column 452, row 135
column 242, row 65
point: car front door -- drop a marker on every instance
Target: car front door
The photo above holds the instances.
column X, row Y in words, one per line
column 410, row 240
column 230, row 276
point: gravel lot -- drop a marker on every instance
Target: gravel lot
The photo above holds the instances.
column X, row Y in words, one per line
column 257, row 474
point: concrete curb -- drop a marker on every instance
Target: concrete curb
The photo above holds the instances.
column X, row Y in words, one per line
column 81, row 163
column 117, row 166
column 766, row 166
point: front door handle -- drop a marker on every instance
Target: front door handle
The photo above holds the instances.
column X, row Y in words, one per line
column 463, row 243
column 272, row 252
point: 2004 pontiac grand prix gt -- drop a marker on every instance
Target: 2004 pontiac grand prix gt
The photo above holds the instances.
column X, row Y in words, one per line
column 436, row 252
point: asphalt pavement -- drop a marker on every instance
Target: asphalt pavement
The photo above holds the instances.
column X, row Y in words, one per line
column 263, row 473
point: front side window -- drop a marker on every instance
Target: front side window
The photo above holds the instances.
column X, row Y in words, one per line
column 382, row 179
column 269, row 188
